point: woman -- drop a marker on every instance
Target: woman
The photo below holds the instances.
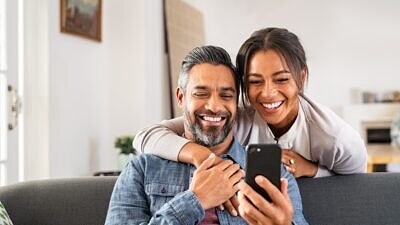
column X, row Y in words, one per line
column 273, row 69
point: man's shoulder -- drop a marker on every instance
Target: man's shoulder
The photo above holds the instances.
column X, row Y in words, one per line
column 156, row 170
column 145, row 159
column 150, row 163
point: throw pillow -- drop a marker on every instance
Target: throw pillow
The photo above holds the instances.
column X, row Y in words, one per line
column 4, row 218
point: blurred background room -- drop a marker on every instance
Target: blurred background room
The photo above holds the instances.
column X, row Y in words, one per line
column 69, row 91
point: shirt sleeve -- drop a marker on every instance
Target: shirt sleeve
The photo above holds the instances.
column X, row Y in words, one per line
column 130, row 204
column 323, row 172
column 350, row 155
column 295, row 198
column 153, row 139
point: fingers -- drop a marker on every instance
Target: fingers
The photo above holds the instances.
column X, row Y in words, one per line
column 223, row 165
column 247, row 210
column 290, row 169
column 207, row 163
column 284, row 189
column 231, row 205
column 273, row 192
column 232, row 169
column 287, row 156
column 234, row 201
column 237, row 177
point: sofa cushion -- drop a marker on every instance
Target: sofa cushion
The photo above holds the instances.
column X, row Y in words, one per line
column 4, row 218
column 368, row 199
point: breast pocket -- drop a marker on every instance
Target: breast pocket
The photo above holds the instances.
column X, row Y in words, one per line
column 160, row 194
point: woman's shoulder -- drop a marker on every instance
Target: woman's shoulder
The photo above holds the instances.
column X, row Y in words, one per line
column 319, row 115
column 325, row 123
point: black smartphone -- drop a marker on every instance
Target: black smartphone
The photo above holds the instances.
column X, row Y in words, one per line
column 265, row 160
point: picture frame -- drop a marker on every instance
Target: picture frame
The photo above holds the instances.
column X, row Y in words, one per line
column 82, row 18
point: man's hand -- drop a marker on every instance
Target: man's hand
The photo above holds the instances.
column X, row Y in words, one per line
column 298, row 165
column 256, row 210
column 215, row 184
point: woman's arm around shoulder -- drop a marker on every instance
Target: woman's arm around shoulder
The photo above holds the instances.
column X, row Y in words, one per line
column 164, row 140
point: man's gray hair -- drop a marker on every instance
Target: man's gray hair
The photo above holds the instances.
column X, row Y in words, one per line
column 205, row 54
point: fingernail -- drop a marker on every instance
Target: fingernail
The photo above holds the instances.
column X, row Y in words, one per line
column 211, row 155
column 234, row 213
column 259, row 178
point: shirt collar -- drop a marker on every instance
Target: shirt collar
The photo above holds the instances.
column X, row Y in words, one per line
column 236, row 153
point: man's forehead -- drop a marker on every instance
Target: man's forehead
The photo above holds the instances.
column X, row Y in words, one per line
column 208, row 75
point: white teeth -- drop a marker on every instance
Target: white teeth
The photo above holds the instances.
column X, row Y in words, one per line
column 272, row 105
column 212, row 119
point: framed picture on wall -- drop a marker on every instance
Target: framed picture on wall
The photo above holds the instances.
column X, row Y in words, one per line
column 81, row 17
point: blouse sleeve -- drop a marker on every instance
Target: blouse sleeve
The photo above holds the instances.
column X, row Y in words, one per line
column 155, row 138
column 351, row 154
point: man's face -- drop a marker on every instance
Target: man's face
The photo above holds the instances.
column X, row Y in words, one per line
column 209, row 104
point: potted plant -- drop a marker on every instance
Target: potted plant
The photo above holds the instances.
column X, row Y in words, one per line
column 127, row 151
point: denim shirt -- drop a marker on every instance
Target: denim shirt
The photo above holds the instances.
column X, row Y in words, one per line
column 152, row 190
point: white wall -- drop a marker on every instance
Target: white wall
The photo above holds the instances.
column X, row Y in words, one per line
column 97, row 91
column 93, row 91
column 36, row 90
column 349, row 44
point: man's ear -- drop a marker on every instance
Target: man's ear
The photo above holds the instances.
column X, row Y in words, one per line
column 179, row 96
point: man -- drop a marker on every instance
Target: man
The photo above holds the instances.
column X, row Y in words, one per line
column 152, row 190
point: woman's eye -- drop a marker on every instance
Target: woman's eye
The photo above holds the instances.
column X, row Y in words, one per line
column 255, row 81
column 282, row 80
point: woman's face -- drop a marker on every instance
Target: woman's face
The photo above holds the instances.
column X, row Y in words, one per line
column 272, row 91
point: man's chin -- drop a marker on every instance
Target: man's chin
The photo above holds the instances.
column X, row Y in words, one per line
column 212, row 130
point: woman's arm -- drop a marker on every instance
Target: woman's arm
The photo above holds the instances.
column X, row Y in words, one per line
column 351, row 154
column 164, row 141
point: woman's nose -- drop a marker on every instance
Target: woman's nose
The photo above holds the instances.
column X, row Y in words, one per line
column 268, row 89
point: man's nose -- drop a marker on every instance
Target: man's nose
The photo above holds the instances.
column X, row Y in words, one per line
column 214, row 104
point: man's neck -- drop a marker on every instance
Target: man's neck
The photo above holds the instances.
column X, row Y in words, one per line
column 224, row 146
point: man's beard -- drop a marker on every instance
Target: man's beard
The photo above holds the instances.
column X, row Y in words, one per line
column 212, row 136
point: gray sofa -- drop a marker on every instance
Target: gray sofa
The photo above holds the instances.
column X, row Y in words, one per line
column 355, row 199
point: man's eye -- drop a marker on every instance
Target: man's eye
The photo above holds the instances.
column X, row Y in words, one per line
column 227, row 96
column 199, row 94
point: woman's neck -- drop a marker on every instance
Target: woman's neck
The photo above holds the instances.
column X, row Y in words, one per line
column 279, row 131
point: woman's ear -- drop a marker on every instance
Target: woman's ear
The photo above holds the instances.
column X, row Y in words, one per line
column 179, row 96
column 304, row 75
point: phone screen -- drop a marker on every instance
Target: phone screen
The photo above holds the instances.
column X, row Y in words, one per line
column 265, row 160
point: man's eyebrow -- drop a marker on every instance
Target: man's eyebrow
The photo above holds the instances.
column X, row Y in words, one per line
column 201, row 87
column 228, row 89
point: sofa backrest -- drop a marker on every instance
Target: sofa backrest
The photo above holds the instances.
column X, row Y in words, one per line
column 372, row 198
column 69, row 201
column 355, row 199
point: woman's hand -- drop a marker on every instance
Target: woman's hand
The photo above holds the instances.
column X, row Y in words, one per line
column 298, row 165
column 258, row 211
